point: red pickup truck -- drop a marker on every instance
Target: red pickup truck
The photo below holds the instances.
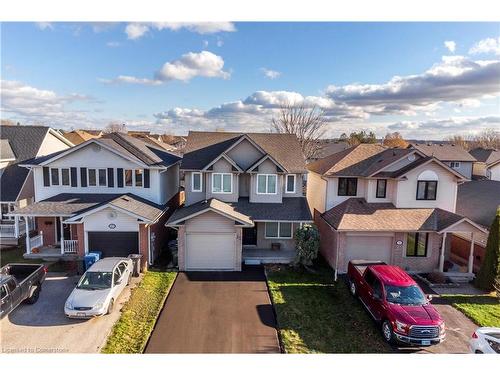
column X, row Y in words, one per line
column 393, row 298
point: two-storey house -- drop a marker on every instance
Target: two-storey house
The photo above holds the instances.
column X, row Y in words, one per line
column 487, row 163
column 243, row 200
column 394, row 205
column 112, row 194
column 20, row 143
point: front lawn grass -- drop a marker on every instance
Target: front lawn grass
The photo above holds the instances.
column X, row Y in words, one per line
column 317, row 315
column 131, row 332
column 484, row 310
column 15, row 255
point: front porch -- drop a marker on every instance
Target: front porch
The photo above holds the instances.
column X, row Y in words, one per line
column 253, row 256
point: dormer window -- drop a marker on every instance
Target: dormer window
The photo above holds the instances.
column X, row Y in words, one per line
column 266, row 183
column 222, row 183
column 290, row 183
column 455, row 164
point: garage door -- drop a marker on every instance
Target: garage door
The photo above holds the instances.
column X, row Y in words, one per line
column 369, row 248
column 114, row 244
column 210, row 251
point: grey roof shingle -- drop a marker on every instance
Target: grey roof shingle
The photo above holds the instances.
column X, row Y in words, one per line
column 478, row 200
column 204, row 147
column 24, row 141
column 486, row 155
column 292, row 209
column 68, row 204
column 444, row 151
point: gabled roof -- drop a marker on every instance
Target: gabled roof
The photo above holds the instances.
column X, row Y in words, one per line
column 204, row 147
column 444, row 151
column 24, row 142
column 79, row 136
column 486, row 155
column 355, row 214
column 124, row 145
column 6, row 152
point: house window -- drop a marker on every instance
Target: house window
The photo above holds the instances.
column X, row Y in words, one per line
column 128, row 177
column 455, row 164
column 102, row 177
column 54, row 176
column 348, row 187
column 426, row 190
column 417, row 244
column 381, row 188
column 92, row 177
column 196, row 182
column 65, row 176
column 278, row 230
column 222, row 183
column 290, row 183
column 266, row 183
column 138, row 177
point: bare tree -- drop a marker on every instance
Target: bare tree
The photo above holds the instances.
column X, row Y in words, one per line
column 460, row 141
column 115, row 127
column 7, row 122
column 395, row 140
column 307, row 123
column 489, row 138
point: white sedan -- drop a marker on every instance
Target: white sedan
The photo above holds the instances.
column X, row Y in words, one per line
column 99, row 288
column 485, row 340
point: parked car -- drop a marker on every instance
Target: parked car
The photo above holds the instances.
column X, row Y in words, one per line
column 18, row 283
column 395, row 300
column 99, row 288
column 485, row 340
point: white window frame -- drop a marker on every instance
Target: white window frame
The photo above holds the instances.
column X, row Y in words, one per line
column 294, row 184
column 105, row 177
column 267, row 178
column 455, row 164
column 96, row 177
column 58, row 177
column 201, row 182
column 222, row 183
column 69, row 178
column 279, row 230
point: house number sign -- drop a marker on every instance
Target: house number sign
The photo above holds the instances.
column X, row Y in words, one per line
column 112, row 226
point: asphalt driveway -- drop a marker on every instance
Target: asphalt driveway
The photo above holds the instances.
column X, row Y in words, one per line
column 217, row 312
column 43, row 327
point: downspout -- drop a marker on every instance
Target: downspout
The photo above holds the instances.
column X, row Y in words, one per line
column 337, row 258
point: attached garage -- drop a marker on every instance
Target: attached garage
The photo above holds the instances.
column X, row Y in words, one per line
column 114, row 244
column 368, row 248
column 210, row 251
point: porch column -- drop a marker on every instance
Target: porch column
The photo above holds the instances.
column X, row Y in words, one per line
column 471, row 254
column 62, row 234
column 28, row 245
column 16, row 226
column 441, row 255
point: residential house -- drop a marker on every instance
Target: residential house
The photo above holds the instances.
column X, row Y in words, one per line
column 477, row 200
column 112, row 194
column 328, row 147
column 453, row 155
column 487, row 163
column 153, row 139
column 243, row 200
column 79, row 136
column 395, row 205
column 20, row 143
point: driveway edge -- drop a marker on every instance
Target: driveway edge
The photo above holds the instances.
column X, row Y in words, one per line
column 278, row 334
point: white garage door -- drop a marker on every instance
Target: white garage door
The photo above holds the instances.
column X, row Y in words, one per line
column 210, row 251
column 369, row 248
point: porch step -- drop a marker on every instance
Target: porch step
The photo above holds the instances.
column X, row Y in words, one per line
column 252, row 262
column 459, row 277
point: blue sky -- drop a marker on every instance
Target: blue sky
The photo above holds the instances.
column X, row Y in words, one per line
column 172, row 78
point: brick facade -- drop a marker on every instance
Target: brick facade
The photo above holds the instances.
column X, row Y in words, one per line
column 421, row 264
column 460, row 249
column 77, row 233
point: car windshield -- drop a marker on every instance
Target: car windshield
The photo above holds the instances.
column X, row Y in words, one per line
column 405, row 295
column 95, row 280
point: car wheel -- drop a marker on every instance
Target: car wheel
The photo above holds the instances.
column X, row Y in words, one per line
column 352, row 288
column 110, row 306
column 35, row 294
column 387, row 332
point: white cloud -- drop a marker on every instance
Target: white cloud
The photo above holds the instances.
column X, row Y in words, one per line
column 113, row 44
column 488, row 45
column 138, row 30
column 450, row 45
column 453, row 80
column 131, row 80
column 45, row 25
column 271, row 74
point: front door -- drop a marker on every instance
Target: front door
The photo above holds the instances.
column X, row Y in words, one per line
column 250, row 236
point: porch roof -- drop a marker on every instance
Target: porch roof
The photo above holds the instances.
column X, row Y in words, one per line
column 80, row 204
column 355, row 214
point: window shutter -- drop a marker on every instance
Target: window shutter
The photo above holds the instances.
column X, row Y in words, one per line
column 111, row 177
column 83, row 177
column 119, row 177
column 74, row 180
column 46, row 176
column 146, row 178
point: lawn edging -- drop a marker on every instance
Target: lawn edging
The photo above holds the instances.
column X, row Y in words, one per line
column 131, row 332
column 280, row 339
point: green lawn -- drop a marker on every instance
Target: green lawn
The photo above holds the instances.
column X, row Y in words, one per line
column 484, row 310
column 317, row 315
column 15, row 255
column 131, row 333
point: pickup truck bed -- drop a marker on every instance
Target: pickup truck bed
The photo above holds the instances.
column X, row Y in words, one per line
column 361, row 265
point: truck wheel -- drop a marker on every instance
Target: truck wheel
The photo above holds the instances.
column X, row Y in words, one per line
column 34, row 295
column 387, row 332
column 352, row 288
column 110, row 307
